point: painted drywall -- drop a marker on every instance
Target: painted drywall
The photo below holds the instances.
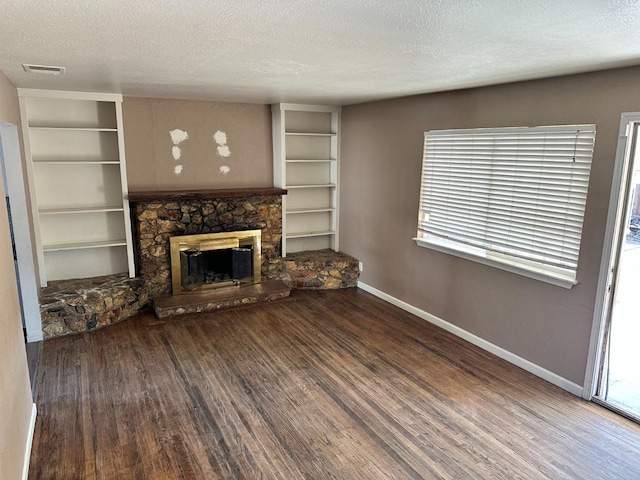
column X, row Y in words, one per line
column 15, row 394
column 183, row 144
column 380, row 180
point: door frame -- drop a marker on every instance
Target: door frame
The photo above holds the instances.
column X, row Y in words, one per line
column 28, row 287
column 610, row 250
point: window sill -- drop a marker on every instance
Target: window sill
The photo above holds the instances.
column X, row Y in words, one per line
column 477, row 255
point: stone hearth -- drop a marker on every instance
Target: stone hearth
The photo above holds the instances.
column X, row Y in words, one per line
column 319, row 269
column 80, row 305
column 171, row 305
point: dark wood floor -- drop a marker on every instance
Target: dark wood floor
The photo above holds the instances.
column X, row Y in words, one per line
column 326, row 384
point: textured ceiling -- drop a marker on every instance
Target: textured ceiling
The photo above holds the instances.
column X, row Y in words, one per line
column 310, row 51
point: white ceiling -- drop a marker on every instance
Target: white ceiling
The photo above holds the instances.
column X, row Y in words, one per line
column 309, row 51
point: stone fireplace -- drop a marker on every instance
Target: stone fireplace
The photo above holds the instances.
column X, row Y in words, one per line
column 158, row 216
column 226, row 221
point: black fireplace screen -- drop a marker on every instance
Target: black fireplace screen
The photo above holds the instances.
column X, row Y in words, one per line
column 216, row 266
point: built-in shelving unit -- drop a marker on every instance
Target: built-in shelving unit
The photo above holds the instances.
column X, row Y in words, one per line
column 77, row 181
column 305, row 156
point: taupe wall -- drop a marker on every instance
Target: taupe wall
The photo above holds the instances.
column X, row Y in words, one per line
column 380, row 181
column 151, row 164
column 15, row 395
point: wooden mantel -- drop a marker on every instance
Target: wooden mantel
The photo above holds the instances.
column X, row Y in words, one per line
column 151, row 196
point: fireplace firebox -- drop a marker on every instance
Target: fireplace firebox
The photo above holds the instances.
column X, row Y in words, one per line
column 214, row 260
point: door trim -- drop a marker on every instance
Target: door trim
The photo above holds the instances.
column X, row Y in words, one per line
column 609, row 252
column 10, row 145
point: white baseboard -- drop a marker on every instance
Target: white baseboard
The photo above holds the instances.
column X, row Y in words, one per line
column 27, row 449
column 485, row 345
column 34, row 337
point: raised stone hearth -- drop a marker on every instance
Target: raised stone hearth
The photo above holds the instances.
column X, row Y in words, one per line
column 80, row 305
column 267, row 291
column 319, row 269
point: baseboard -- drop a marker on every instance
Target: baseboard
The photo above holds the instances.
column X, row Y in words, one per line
column 35, row 337
column 27, row 449
column 479, row 342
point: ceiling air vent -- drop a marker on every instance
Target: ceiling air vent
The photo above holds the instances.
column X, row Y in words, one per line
column 45, row 69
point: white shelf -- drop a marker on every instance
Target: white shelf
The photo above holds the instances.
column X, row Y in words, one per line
column 320, row 160
column 78, row 210
column 323, row 185
column 305, row 151
column 308, row 134
column 66, row 144
column 310, row 147
column 82, row 185
column 79, row 162
column 310, row 234
column 76, row 175
column 302, row 244
column 296, row 211
column 75, row 129
column 56, row 109
column 85, row 262
column 84, row 245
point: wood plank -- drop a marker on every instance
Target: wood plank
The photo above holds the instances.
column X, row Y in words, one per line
column 328, row 384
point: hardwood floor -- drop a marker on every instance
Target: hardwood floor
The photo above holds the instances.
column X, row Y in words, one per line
column 325, row 384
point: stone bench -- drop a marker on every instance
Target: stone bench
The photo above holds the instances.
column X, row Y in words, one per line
column 80, row 305
column 318, row 269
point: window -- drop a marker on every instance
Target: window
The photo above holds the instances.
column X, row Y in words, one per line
column 513, row 197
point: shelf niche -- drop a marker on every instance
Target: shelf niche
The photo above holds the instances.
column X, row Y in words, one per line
column 306, row 163
column 77, row 181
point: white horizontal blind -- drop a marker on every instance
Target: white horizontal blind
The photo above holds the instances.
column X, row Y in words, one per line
column 514, row 193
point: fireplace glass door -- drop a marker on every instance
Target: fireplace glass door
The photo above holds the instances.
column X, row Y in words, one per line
column 209, row 261
column 210, row 267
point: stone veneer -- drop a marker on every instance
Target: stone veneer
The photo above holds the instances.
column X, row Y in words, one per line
column 319, row 269
column 159, row 215
column 80, row 305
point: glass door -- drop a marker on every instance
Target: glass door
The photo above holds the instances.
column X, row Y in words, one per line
column 619, row 380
